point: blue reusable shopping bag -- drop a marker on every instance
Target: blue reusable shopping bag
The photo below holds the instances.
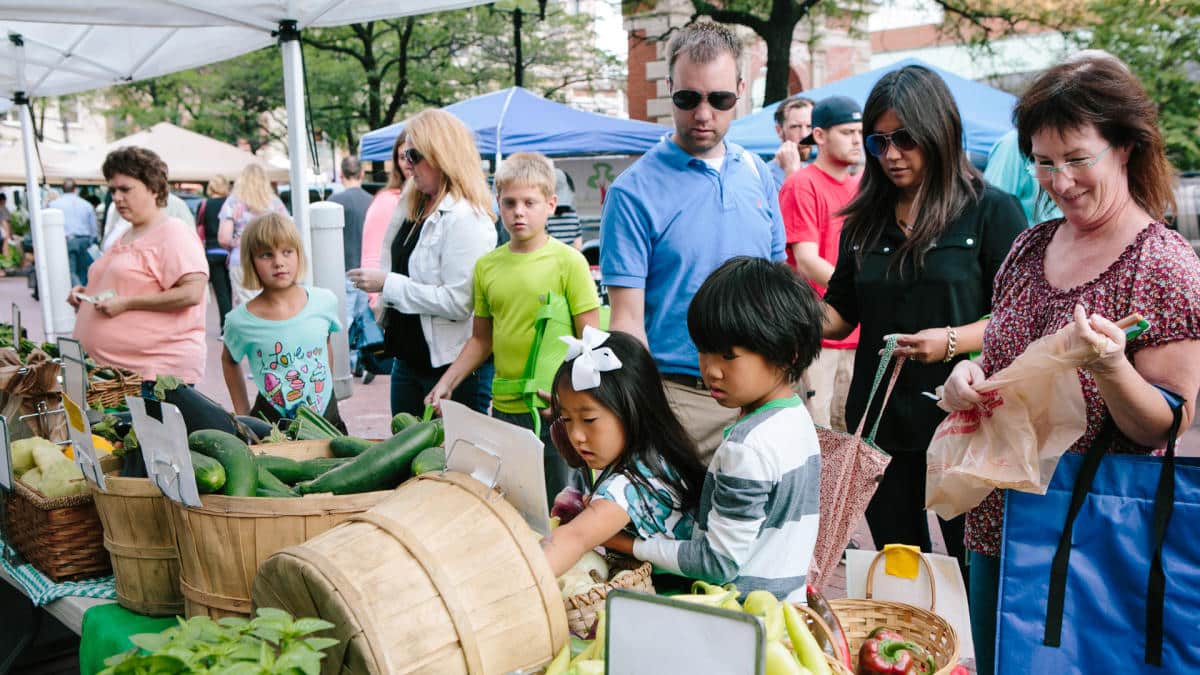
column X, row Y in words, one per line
column 1102, row 573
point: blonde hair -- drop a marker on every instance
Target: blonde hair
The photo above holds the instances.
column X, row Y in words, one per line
column 253, row 189
column 218, row 186
column 267, row 233
column 448, row 146
column 531, row 169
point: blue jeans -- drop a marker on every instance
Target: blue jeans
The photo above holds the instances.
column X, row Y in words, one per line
column 558, row 474
column 79, row 260
column 410, row 387
column 984, row 597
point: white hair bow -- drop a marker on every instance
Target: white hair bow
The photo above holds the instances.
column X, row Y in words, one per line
column 591, row 358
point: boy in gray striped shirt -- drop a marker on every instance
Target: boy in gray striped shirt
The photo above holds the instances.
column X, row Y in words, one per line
column 757, row 326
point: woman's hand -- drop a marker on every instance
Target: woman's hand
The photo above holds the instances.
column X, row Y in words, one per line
column 442, row 390
column 959, row 391
column 1103, row 340
column 928, row 346
column 112, row 306
column 72, row 300
column 367, row 281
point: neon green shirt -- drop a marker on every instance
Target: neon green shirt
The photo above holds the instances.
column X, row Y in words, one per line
column 507, row 290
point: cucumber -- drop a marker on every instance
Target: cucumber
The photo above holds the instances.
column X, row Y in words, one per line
column 403, row 421
column 291, row 471
column 430, row 459
column 261, row 491
column 210, row 475
column 349, row 446
column 382, row 467
column 267, row 482
column 241, row 474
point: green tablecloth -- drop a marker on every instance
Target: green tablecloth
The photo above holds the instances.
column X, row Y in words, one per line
column 106, row 631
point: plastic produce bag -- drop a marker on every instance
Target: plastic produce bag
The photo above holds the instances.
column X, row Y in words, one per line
column 1032, row 411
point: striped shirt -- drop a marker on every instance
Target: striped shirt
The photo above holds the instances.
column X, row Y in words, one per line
column 564, row 225
column 759, row 507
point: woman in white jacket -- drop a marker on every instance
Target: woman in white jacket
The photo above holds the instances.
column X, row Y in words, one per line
column 443, row 225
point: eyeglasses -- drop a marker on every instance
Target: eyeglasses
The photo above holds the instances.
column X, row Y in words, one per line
column 687, row 99
column 412, row 156
column 1049, row 170
column 877, row 144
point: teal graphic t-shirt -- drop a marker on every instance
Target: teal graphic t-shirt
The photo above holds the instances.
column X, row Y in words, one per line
column 288, row 358
column 650, row 513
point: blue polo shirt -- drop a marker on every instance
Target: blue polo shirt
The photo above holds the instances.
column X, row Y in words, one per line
column 670, row 220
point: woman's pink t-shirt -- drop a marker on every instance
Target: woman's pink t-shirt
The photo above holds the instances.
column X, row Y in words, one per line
column 148, row 343
column 375, row 225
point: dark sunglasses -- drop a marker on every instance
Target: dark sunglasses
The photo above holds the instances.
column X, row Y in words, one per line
column 877, row 144
column 412, row 156
column 686, row 99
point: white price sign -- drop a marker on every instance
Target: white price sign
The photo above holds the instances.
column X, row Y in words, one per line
column 80, row 431
column 163, row 437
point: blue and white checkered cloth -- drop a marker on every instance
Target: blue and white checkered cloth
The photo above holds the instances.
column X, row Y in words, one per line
column 42, row 591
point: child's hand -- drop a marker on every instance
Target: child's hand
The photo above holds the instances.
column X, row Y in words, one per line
column 368, row 281
column 440, row 391
column 546, row 413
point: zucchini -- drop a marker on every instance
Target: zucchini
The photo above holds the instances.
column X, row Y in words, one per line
column 349, row 446
column 259, row 427
column 241, row 474
column 382, row 467
column 210, row 475
column 291, row 471
column 430, row 459
column 261, row 491
column 403, row 421
column 267, row 482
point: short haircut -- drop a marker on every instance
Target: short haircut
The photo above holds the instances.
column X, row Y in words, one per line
column 703, row 42
column 266, row 233
column 69, row 185
column 762, row 307
column 218, row 186
column 140, row 164
column 530, row 169
column 1099, row 91
column 790, row 104
column 351, row 167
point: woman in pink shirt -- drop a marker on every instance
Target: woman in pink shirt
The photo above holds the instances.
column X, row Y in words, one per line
column 379, row 214
column 143, row 307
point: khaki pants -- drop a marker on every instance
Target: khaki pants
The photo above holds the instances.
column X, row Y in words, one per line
column 701, row 416
column 829, row 379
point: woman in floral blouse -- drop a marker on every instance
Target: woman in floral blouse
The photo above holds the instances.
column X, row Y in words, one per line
column 1092, row 136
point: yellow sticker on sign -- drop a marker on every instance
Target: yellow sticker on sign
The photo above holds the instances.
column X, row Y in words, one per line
column 74, row 414
column 901, row 561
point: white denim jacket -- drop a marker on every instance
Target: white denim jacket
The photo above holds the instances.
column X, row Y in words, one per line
column 441, row 274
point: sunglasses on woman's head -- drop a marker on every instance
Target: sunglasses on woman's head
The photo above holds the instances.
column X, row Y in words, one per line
column 877, row 144
column 412, row 156
column 687, row 99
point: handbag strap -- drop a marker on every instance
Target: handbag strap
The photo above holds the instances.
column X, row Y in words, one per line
column 1164, row 501
column 889, row 349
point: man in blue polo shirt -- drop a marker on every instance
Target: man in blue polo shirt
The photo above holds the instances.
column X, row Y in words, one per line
column 689, row 204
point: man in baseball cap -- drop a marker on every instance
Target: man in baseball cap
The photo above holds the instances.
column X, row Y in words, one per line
column 810, row 201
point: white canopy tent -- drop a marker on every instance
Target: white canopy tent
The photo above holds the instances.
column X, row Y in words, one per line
column 58, row 47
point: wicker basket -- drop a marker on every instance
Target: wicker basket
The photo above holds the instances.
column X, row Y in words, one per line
column 61, row 536
column 860, row 617
column 112, row 393
column 582, row 608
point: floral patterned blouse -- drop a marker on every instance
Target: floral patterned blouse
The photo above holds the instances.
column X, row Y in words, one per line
column 1158, row 275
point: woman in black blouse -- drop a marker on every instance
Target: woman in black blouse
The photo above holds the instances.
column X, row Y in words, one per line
column 920, row 247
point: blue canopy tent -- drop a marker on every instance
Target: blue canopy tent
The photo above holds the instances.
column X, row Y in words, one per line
column 517, row 120
column 986, row 112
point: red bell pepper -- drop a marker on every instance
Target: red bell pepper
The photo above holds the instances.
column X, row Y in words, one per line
column 886, row 652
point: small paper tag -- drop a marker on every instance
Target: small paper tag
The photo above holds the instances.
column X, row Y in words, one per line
column 902, row 561
column 165, row 450
column 80, row 431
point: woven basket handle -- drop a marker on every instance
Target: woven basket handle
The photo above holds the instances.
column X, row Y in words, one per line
column 928, row 574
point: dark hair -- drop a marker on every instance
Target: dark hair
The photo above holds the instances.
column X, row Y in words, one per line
column 703, row 42
column 653, row 435
column 1101, row 92
column 760, row 306
column 140, row 164
column 950, row 184
column 790, row 104
column 351, row 167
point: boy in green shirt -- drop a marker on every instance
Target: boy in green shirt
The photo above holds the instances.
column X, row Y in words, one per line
column 509, row 284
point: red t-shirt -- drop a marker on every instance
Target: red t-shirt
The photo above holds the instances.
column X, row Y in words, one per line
column 809, row 201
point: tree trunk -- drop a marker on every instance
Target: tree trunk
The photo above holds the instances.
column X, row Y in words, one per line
column 518, row 61
column 779, row 59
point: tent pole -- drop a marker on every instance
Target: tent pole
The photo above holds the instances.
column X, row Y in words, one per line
column 33, row 197
column 293, row 93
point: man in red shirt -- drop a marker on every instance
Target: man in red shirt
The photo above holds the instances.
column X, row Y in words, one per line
column 810, row 202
